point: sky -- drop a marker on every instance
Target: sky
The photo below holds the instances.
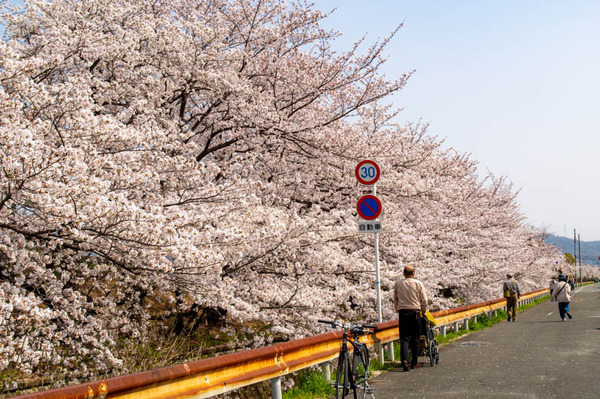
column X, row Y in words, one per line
column 514, row 83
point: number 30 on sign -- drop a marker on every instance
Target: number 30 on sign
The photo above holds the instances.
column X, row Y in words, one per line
column 367, row 172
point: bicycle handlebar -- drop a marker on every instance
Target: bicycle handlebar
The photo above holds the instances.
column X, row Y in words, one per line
column 358, row 327
column 333, row 323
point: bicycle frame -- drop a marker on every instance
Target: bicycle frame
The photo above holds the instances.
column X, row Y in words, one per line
column 347, row 376
column 357, row 345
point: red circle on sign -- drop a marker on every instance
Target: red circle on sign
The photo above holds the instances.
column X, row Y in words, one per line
column 368, row 207
column 367, row 172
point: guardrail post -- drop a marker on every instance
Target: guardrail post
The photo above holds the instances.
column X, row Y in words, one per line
column 326, row 371
column 391, row 351
column 466, row 324
column 456, row 327
column 276, row 388
column 443, row 331
column 380, row 350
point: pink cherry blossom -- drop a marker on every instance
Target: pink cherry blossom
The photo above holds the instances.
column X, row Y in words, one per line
column 200, row 156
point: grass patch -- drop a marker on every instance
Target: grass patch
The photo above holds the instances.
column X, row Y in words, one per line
column 375, row 363
column 311, row 384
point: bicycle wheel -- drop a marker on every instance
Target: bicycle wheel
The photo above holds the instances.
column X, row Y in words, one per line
column 360, row 372
column 342, row 376
column 433, row 353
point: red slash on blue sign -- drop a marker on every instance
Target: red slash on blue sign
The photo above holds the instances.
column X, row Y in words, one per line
column 368, row 207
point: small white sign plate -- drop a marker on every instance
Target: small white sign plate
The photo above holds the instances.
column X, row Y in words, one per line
column 369, row 227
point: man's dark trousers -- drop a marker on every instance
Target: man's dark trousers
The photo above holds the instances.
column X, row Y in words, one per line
column 409, row 325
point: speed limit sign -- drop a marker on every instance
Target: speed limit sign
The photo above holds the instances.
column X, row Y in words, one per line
column 367, row 172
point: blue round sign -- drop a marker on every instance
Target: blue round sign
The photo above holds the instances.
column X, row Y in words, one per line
column 368, row 207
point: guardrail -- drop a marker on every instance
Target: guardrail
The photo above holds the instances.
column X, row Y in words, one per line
column 209, row 377
column 455, row 317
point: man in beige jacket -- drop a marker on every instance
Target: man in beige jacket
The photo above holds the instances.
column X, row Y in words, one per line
column 410, row 300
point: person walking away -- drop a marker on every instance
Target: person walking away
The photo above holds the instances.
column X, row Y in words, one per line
column 572, row 283
column 553, row 283
column 562, row 295
column 512, row 293
column 410, row 300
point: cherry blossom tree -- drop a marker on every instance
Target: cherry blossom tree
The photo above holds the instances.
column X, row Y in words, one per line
column 189, row 160
column 589, row 272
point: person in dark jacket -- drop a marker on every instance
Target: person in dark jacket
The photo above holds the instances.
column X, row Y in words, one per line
column 512, row 293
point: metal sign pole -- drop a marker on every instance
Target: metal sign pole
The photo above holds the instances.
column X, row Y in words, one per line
column 378, row 282
column 369, row 208
column 378, row 278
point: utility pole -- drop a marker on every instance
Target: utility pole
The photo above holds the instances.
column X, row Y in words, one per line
column 580, row 273
column 575, row 249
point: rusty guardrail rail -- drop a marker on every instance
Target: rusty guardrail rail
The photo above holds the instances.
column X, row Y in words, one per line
column 208, row 377
column 463, row 314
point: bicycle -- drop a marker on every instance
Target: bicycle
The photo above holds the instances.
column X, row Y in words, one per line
column 352, row 376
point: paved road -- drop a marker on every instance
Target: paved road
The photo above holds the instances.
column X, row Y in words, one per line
column 538, row 356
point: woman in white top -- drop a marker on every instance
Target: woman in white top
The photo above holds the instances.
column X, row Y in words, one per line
column 562, row 295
